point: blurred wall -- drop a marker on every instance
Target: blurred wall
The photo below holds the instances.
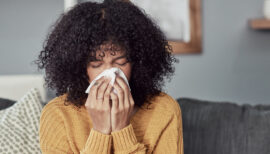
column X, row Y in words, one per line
column 24, row 25
column 234, row 65
column 235, row 62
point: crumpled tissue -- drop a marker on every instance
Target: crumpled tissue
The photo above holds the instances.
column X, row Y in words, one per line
column 112, row 74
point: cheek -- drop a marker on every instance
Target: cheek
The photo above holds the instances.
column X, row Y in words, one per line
column 92, row 74
column 127, row 71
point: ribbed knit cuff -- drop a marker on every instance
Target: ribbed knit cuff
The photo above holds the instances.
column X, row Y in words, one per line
column 98, row 143
column 124, row 138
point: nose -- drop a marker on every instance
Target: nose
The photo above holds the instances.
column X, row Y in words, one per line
column 108, row 66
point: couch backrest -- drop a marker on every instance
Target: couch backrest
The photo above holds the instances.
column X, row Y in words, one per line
column 224, row 127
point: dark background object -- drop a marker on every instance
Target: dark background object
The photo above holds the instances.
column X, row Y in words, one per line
column 224, row 127
column 5, row 103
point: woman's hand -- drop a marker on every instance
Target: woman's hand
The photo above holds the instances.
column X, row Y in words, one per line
column 122, row 105
column 98, row 106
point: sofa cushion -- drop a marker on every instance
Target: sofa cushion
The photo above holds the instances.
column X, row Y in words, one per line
column 224, row 127
column 5, row 103
column 19, row 125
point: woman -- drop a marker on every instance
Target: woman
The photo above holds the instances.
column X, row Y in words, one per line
column 93, row 37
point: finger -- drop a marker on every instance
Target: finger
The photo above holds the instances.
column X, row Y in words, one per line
column 101, row 91
column 94, row 88
column 121, row 82
column 107, row 95
column 93, row 91
column 115, row 102
column 131, row 99
column 120, row 94
column 125, row 88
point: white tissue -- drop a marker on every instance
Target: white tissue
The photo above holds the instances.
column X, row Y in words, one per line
column 109, row 73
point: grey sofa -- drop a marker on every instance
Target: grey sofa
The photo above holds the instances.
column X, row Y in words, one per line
column 225, row 127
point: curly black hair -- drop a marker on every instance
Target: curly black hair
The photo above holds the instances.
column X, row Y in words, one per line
column 76, row 35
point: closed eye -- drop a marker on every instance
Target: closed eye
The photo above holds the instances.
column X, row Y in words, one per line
column 122, row 64
column 96, row 66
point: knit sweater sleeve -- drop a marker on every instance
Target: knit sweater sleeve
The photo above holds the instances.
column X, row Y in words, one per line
column 97, row 143
column 53, row 137
column 52, row 132
column 171, row 139
column 125, row 142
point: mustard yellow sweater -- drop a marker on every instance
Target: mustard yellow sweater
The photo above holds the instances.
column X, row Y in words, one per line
column 158, row 129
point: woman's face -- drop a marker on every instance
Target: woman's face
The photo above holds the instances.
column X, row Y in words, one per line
column 108, row 60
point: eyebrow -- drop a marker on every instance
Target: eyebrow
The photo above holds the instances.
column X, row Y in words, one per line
column 120, row 57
